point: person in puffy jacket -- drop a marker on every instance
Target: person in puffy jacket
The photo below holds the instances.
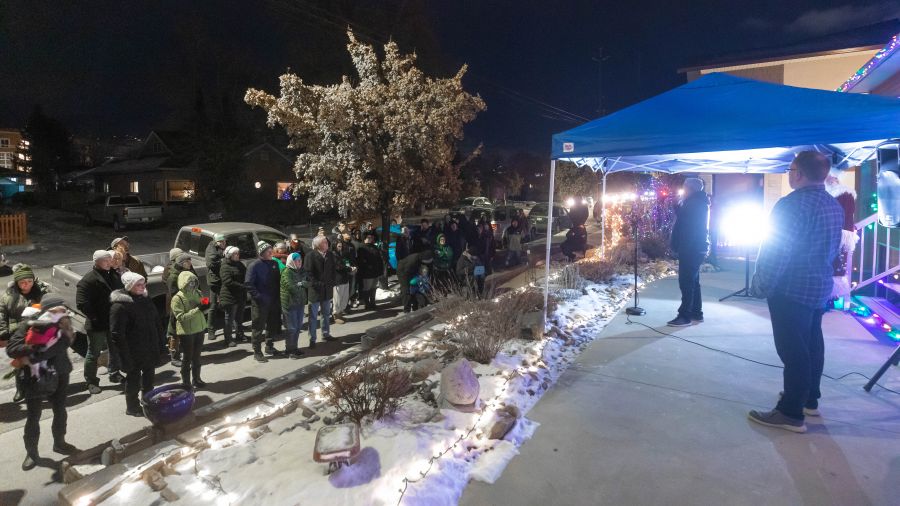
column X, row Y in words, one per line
column 55, row 357
column 181, row 264
column 294, row 298
column 344, row 270
column 135, row 328
column 190, row 325
column 443, row 263
column 214, row 254
column 233, row 296
column 23, row 291
column 263, row 283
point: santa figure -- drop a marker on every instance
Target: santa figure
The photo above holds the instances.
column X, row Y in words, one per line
column 847, row 199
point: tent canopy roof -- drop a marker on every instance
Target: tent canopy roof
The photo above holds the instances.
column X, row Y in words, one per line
column 723, row 123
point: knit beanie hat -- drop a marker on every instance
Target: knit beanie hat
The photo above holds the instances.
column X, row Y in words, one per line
column 181, row 258
column 293, row 257
column 101, row 254
column 173, row 253
column 219, row 237
column 129, row 279
column 50, row 301
column 23, row 271
column 262, row 246
column 231, row 250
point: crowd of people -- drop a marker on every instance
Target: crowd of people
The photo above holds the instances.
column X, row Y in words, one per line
column 286, row 283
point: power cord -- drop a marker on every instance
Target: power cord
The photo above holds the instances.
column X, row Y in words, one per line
column 774, row 366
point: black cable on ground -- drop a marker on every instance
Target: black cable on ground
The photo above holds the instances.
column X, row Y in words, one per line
column 775, row 366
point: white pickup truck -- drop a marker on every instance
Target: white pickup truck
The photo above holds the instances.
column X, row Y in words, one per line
column 191, row 239
column 121, row 211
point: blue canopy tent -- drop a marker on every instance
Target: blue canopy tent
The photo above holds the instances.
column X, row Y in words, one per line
column 726, row 124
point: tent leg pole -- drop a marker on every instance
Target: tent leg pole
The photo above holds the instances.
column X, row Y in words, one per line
column 603, row 219
column 549, row 239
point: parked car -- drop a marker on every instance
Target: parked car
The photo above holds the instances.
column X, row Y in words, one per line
column 192, row 239
column 470, row 206
column 121, row 211
column 501, row 218
column 538, row 218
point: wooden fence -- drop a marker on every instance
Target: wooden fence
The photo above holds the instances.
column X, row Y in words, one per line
column 13, row 229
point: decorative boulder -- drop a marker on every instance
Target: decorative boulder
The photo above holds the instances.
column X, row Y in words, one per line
column 459, row 385
column 531, row 325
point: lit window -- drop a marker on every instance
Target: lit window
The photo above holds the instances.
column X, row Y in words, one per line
column 133, row 187
column 6, row 160
column 4, row 142
column 28, row 182
column 105, row 187
column 180, row 190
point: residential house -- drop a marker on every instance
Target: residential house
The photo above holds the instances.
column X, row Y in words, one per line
column 822, row 62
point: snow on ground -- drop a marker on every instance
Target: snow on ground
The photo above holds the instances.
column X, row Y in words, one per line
column 421, row 455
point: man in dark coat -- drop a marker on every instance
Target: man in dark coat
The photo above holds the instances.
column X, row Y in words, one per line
column 215, row 252
column 264, row 286
column 406, row 270
column 370, row 266
column 55, row 356
column 404, row 244
column 134, row 326
column 92, row 299
column 690, row 242
column 469, row 274
column 321, row 265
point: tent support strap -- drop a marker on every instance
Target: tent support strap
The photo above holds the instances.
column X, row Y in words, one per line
column 603, row 218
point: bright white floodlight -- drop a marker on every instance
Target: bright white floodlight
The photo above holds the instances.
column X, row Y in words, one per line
column 743, row 224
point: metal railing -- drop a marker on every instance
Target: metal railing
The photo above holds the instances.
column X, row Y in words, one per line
column 876, row 256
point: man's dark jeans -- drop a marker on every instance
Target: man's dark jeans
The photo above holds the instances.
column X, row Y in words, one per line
column 33, row 420
column 800, row 346
column 266, row 324
column 689, row 283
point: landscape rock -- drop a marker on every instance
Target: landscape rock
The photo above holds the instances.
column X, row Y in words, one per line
column 422, row 369
column 504, row 421
column 307, row 413
column 459, row 385
column 531, row 325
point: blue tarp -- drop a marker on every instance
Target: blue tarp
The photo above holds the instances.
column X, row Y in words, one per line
column 723, row 123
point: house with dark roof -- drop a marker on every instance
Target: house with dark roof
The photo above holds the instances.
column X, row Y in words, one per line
column 165, row 170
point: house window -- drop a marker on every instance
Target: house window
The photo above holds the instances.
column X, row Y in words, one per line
column 105, row 187
column 264, row 156
column 4, row 142
column 6, row 160
column 286, row 191
column 27, row 181
column 180, row 190
column 133, row 187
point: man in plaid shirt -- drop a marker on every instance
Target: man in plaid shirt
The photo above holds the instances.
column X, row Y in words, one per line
column 794, row 272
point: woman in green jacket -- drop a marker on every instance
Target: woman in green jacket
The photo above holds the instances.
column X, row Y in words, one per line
column 294, row 297
column 190, row 325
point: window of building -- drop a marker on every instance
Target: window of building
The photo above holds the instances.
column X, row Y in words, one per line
column 27, row 181
column 180, row 190
column 133, row 187
column 105, row 187
column 4, row 142
column 286, row 191
column 6, row 160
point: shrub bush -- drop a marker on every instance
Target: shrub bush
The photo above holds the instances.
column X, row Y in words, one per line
column 366, row 388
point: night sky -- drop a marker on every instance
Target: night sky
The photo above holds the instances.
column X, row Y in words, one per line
column 124, row 67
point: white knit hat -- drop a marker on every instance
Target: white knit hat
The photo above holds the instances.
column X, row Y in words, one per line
column 231, row 250
column 101, row 254
column 129, row 279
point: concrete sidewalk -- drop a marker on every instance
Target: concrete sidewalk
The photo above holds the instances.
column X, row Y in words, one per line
column 645, row 419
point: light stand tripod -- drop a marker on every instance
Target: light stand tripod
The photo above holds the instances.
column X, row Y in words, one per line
column 635, row 310
column 894, row 360
column 743, row 292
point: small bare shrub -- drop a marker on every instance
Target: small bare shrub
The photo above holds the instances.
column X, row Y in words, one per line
column 480, row 328
column 366, row 388
column 598, row 271
column 655, row 246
